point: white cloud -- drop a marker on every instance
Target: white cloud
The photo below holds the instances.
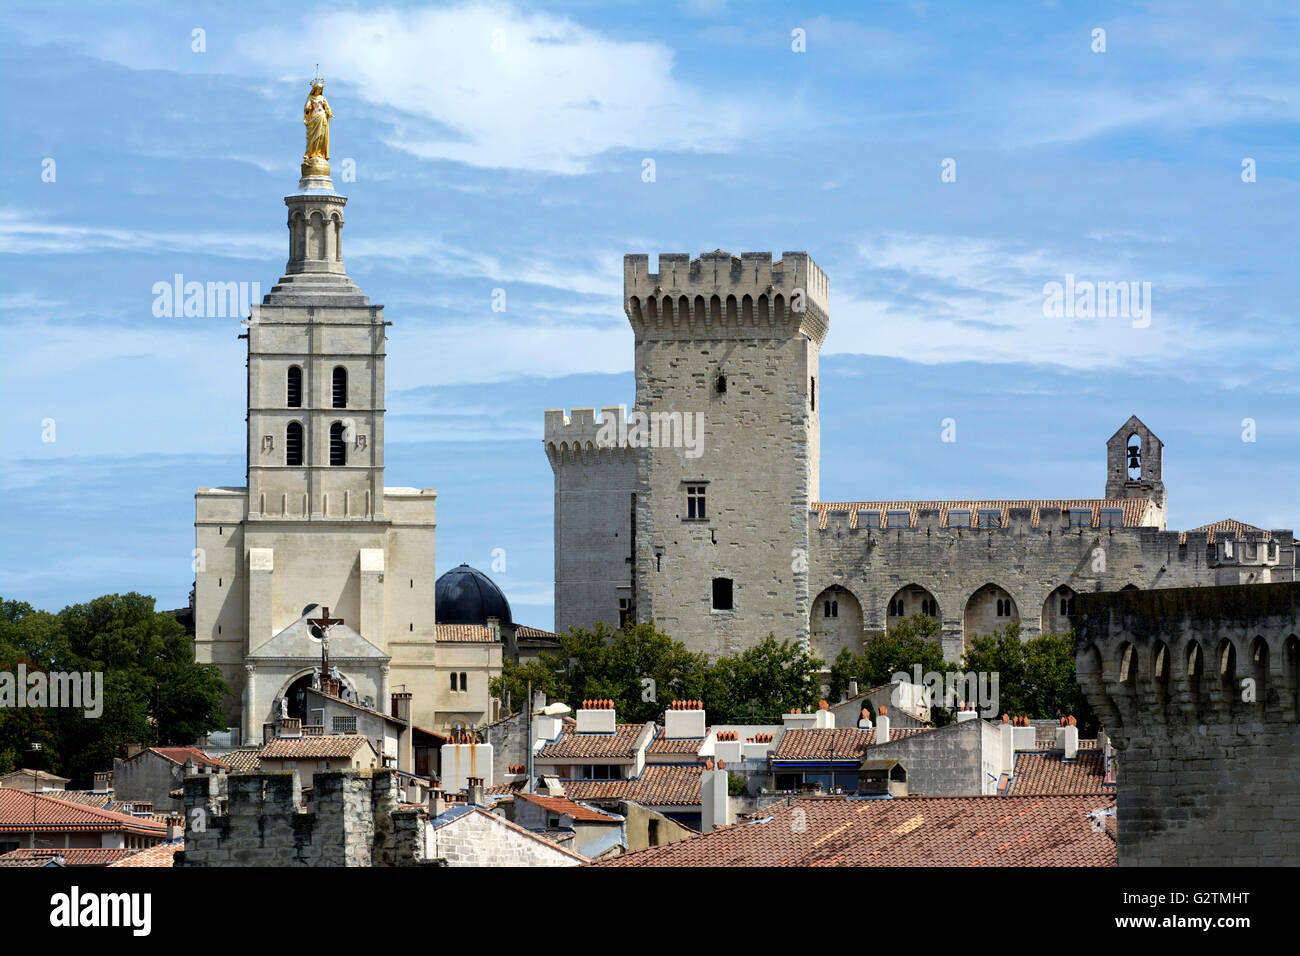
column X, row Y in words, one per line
column 488, row 85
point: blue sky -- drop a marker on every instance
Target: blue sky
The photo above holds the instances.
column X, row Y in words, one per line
column 502, row 146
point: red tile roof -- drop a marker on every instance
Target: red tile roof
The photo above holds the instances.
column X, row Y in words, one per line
column 1049, row 774
column 88, row 798
column 463, row 634
column 75, row 856
column 621, row 743
column 566, row 807
column 164, row 854
column 907, row 831
column 23, row 812
column 178, row 756
column 688, row 745
column 243, row 761
column 535, row 634
column 331, row 747
column 660, row 785
column 1134, row 509
column 842, row 743
column 1238, row 529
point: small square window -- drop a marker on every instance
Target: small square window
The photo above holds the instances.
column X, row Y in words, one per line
column 722, row 599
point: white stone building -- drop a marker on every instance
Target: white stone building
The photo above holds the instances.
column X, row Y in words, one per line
column 314, row 526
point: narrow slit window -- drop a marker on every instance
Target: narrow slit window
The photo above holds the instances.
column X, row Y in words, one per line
column 294, row 387
column 293, row 444
column 338, row 447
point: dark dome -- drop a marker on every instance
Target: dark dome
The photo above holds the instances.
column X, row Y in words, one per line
column 466, row 596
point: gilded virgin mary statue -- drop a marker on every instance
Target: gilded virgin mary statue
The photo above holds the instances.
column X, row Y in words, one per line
column 316, row 117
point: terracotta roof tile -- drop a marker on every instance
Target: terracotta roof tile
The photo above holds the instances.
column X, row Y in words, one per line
column 1049, row 774
column 1239, row 529
column 660, row 785
column 463, row 634
column 87, row 798
column 842, row 743
column 329, row 747
column 535, row 634
column 1134, row 509
column 907, row 831
column 74, row 856
column 21, row 812
column 243, row 761
column 621, row 743
column 567, row 807
column 164, row 854
column 178, row 756
column 686, row 745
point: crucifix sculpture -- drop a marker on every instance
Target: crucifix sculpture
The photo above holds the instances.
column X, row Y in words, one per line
column 325, row 622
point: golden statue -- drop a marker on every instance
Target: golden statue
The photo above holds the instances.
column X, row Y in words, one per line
column 316, row 117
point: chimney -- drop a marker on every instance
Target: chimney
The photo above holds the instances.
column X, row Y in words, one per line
column 103, row 782
column 1008, row 745
column 494, row 628
column 1067, row 738
column 401, row 707
column 715, row 802
column 825, row 718
column 882, row 725
column 798, row 720
column 174, row 831
column 965, row 712
column 474, row 792
column 597, row 717
column 865, row 721
column 437, row 802
column 853, row 687
column 684, row 720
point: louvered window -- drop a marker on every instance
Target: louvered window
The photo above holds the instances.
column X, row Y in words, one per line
column 293, row 444
column 295, row 387
column 340, row 387
column 338, row 449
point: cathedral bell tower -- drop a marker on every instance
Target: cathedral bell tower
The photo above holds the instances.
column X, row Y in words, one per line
column 314, row 525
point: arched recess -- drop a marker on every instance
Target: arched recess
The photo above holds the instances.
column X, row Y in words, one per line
column 1057, row 610
column 295, row 689
column 908, row 600
column 988, row 609
column 834, row 623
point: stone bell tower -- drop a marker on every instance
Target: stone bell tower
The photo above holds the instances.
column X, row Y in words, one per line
column 314, row 525
column 1134, row 463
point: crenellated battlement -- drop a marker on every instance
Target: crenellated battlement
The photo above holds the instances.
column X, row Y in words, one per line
column 582, row 437
column 1199, row 689
column 720, row 295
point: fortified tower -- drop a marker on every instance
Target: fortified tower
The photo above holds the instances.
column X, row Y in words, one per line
column 726, row 391
column 314, row 525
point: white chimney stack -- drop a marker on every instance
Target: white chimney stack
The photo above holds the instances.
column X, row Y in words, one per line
column 684, row 720
column 865, row 721
column 882, row 725
column 597, row 717
column 825, row 718
column 715, row 801
column 965, row 712
column 1067, row 738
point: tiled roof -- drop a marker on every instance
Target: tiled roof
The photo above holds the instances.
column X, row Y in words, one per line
column 621, row 743
column 329, row 747
column 907, row 831
column 102, row 800
column 76, row 856
column 164, row 854
column 22, row 812
column 535, row 634
column 1049, row 774
column 687, row 745
column 243, row 761
column 566, row 807
column 1238, row 529
column 841, row 743
column 660, row 785
column 1134, row 509
column 463, row 634
column 178, row 755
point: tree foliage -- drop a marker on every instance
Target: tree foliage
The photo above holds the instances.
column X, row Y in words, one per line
column 154, row 691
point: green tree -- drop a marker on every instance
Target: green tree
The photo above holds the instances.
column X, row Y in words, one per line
column 1036, row 678
column 761, row 683
column 153, row 690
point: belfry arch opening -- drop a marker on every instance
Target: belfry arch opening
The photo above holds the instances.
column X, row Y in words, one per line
column 989, row 609
column 908, row 600
column 835, row 622
column 1057, row 609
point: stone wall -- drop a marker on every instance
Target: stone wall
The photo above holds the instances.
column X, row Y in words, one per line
column 478, row 838
column 1199, row 691
column 259, row 820
column 962, row 759
column 1030, row 564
